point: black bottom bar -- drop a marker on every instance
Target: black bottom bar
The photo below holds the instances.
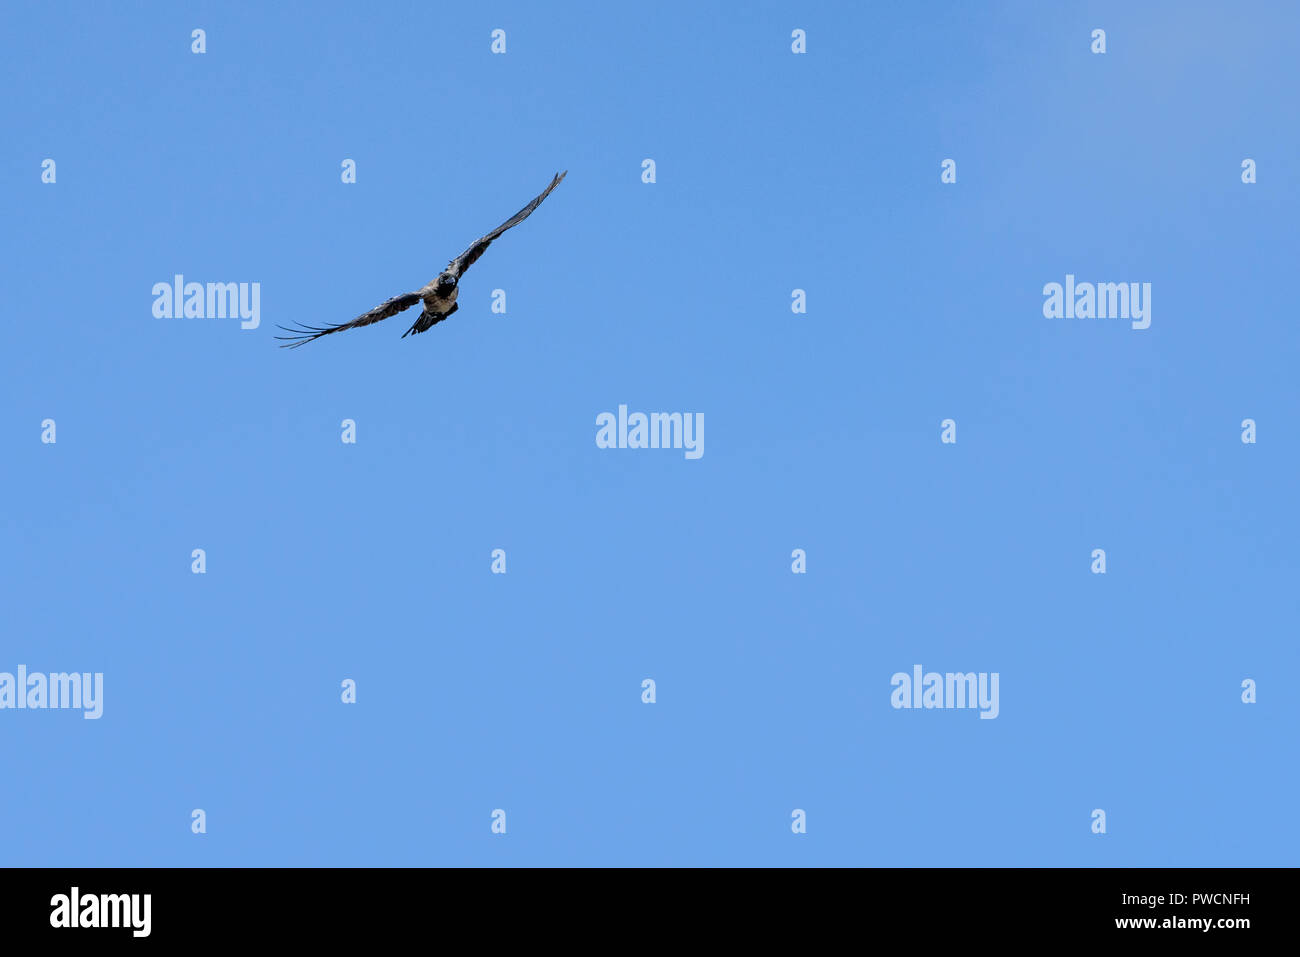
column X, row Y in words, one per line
column 1165, row 906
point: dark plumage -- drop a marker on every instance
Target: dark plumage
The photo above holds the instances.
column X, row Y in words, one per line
column 439, row 296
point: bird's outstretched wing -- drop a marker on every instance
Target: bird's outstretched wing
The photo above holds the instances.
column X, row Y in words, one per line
column 470, row 256
column 304, row 334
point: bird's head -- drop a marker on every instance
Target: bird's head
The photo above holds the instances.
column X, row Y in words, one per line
column 445, row 285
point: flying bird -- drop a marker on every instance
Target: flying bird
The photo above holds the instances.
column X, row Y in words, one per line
column 439, row 296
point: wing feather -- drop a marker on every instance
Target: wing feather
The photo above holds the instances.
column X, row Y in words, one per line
column 479, row 246
column 304, row 334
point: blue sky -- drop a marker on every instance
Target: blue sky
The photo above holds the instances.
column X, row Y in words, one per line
column 775, row 171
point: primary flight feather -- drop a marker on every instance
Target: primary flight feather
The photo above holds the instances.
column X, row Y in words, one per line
column 439, row 296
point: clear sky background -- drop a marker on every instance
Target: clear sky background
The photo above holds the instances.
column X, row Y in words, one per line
column 775, row 171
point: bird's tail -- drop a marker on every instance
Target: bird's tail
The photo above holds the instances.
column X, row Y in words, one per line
column 428, row 320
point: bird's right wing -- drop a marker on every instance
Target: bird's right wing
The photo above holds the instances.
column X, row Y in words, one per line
column 470, row 256
column 305, row 334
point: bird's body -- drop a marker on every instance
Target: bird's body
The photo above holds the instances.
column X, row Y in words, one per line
column 438, row 305
column 438, row 296
column 434, row 300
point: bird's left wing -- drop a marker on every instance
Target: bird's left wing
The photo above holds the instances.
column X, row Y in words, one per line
column 305, row 334
column 470, row 256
